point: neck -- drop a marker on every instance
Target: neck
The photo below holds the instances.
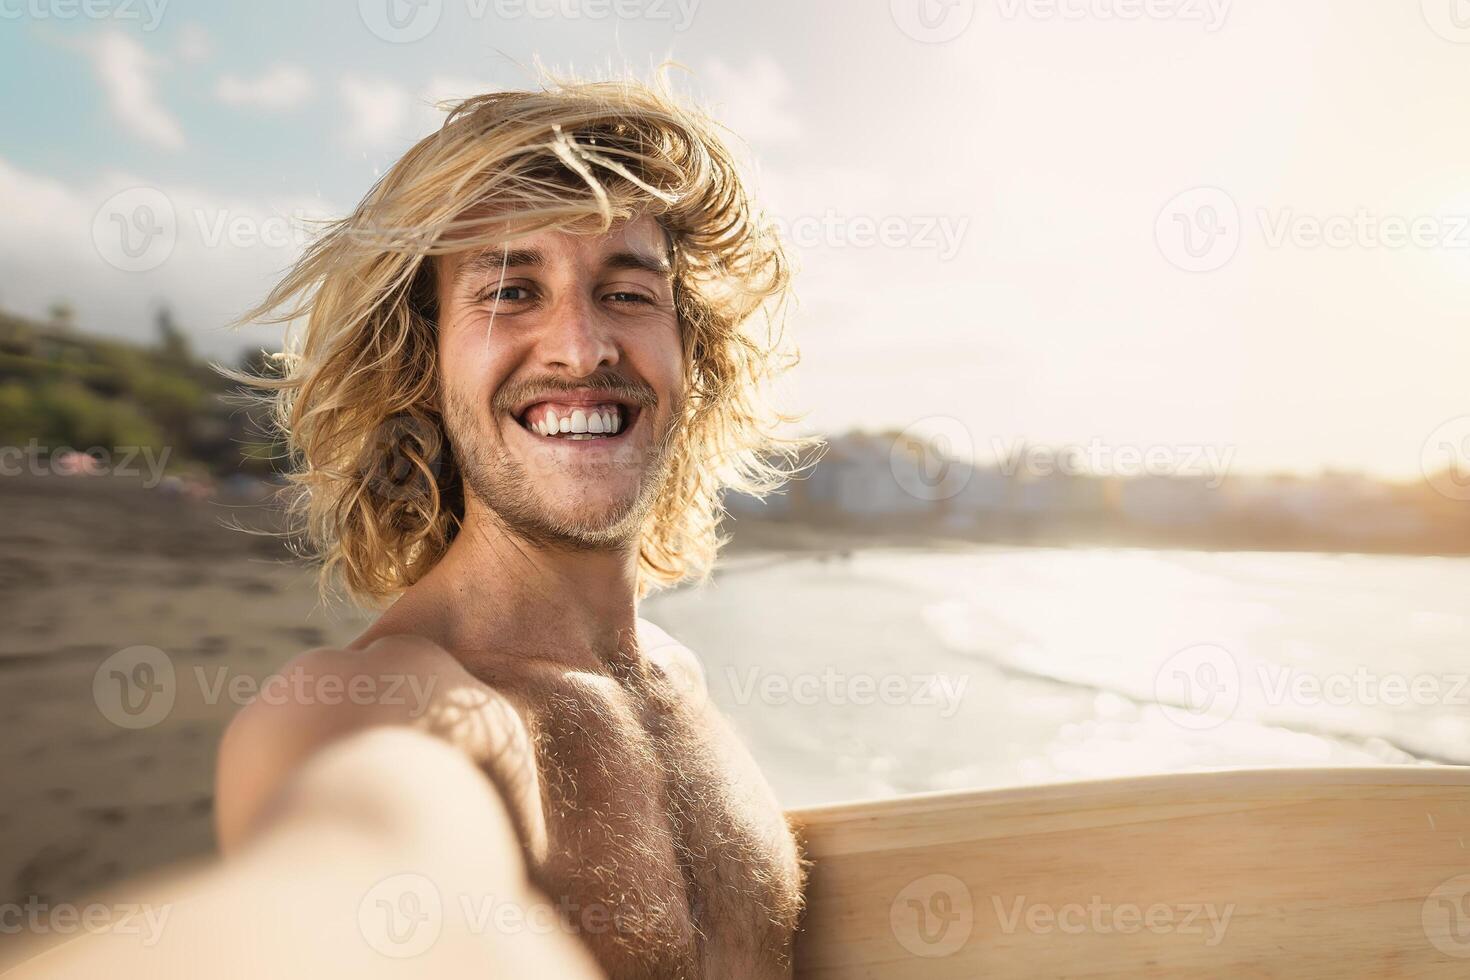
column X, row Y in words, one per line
column 495, row 594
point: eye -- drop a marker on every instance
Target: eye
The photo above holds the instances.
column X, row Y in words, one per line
column 624, row 296
column 505, row 294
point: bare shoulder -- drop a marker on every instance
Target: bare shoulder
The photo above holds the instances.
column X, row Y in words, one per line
column 327, row 693
column 677, row 662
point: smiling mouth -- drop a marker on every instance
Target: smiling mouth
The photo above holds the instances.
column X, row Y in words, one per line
column 578, row 422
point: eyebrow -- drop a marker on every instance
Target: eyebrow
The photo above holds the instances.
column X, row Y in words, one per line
column 493, row 261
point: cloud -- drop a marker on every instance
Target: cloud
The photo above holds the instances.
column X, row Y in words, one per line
column 194, row 44
column 217, row 254
column 378, row 110
column 281, row 87
column 125, row 71
column 754, row 101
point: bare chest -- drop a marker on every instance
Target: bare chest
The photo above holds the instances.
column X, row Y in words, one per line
column 664, row 850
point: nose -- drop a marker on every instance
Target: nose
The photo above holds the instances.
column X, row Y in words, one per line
column 575, row 341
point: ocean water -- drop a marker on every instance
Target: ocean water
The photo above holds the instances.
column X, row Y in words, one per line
column 889, row 672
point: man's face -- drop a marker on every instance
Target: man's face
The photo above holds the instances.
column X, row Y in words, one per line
column 562, row 376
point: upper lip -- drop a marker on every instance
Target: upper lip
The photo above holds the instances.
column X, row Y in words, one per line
column 580, row 396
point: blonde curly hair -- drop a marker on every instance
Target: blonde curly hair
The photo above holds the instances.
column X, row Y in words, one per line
column 374, row 491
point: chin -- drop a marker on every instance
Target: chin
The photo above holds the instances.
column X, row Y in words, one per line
column 571, row 512
column 579, row 528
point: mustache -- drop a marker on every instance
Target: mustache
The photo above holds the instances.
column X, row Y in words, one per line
column 639, row 393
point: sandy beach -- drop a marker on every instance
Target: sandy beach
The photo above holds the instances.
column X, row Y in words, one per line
column 90, row 567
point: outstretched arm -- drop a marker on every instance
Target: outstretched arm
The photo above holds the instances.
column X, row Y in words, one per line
column 387, row 853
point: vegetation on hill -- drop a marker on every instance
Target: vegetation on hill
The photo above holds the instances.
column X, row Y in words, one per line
column 60, row 388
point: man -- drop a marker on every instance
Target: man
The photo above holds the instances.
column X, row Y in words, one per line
column 527, row 374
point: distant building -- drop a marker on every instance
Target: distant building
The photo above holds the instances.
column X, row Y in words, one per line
column 894, row 481
column 1169, row 501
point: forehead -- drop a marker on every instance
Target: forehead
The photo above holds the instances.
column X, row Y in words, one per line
column 642, row 236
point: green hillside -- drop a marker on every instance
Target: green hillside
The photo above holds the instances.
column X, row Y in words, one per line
column 62, row 388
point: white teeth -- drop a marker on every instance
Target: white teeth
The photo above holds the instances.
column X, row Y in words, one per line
column 579, row 423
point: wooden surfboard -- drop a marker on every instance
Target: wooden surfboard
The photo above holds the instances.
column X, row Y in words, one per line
column 1260, row 873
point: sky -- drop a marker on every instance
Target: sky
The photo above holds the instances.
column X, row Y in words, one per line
column 1178, row 226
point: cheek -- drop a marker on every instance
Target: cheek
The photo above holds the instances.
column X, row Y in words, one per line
column 466, row 362
column 665, row 359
